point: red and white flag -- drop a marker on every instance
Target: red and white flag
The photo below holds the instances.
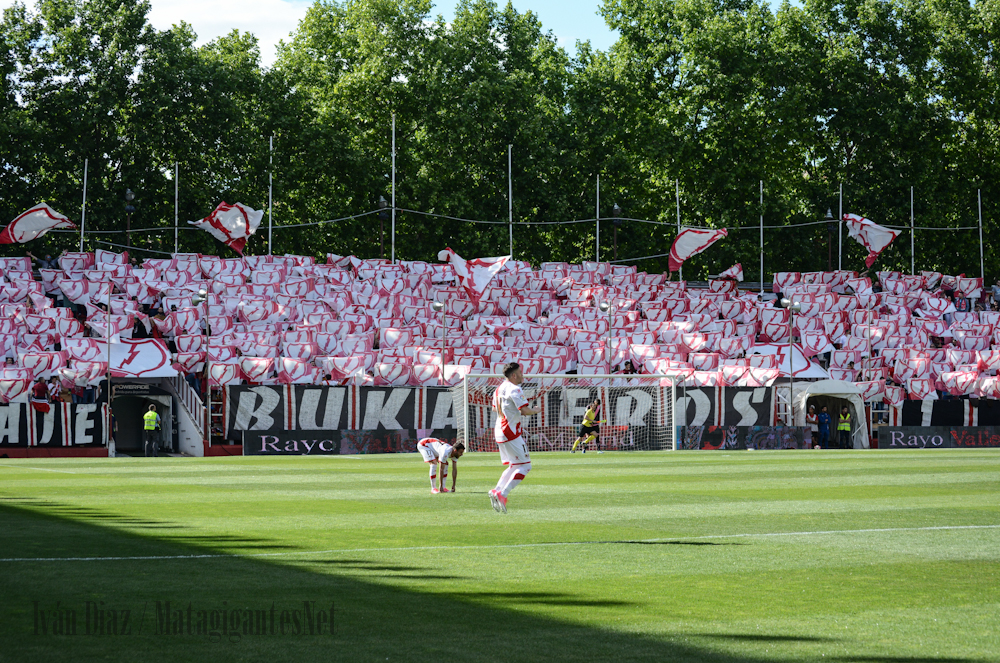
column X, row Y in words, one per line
column 734, row 272
column 870, row 235
column 231, row 224
column 473, row 275
column 691, row 242
column 33, row 224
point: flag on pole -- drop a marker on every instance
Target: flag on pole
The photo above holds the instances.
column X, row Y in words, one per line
column 691, row 242
column 33, row 224
column 473, row 275
column 231, row 224
column 734, row 272
column 870, row 235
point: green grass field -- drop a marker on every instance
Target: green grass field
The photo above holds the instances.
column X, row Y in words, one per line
column 700, row 556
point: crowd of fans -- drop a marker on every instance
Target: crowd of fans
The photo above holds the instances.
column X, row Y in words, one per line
column 289, row 319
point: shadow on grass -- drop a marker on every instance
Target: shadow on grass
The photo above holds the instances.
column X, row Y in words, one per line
column 373, row 621
column 755, row 637
column 540, row 598
column 673, row 543
column 902, row 659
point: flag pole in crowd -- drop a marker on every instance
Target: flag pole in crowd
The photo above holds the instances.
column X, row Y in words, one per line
column 270, row 188
column 762, row 238
column 982, row 264
column 393, row 189
column 677, row 196
column 510, row 197
column 597, row 215
column 913, row 261
column 840, row 231
column 83, row 211
column 177, row 172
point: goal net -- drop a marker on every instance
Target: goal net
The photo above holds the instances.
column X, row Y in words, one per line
column 637, row 411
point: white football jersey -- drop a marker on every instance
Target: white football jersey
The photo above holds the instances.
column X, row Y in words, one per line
column 431, row 447
column 508, row 400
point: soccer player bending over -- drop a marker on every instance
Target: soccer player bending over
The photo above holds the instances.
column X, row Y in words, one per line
column 510, row 406
column 589, row 430
column 437, row 452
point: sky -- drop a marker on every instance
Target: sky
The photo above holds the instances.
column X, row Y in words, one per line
column 273, row 20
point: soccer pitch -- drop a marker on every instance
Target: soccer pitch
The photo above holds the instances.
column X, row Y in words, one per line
column 702, row 556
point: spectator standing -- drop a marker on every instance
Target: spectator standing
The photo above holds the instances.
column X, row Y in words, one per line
column 995, row 290
column 844, row 428
column 812, row 420
column 823, row 424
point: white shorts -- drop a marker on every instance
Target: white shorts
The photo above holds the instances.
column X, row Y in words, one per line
column 428, row 453
column 514, row 452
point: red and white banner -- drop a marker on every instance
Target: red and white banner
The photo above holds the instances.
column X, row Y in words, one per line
column 143, row 358
column 734, row 272
column 870, row 235
column 33, row 224
column 473, row 275
column 297, row 371
column 231, row 224
column 691, row 242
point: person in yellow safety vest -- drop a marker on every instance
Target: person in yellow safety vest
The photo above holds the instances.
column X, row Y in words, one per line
column 589, row 430
column 844, row 428
column 150, row 428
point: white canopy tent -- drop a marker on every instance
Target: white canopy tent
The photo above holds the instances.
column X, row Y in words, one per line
column 834, row 390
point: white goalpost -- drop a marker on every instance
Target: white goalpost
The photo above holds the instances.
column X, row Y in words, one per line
column 637, row 411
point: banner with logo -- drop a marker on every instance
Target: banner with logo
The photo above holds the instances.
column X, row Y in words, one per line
column 336, row 442
column 732, row 438
column 64, row 425
column 939, row 437
column 722, row 406
column 274, row 408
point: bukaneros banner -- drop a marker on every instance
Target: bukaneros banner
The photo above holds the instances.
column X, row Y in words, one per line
column 732, row 438
column 725, row 406
column 939, row 437
column 956, row 412
column 64, row 425
column 275, row 408
column 336, row 442
column 637, row 417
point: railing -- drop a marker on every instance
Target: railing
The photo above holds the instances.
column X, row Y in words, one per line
column 190, row 399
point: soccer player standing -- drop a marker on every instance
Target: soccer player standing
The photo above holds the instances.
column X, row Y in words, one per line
column 589, row 430
column 510, row 406
column 437, row 452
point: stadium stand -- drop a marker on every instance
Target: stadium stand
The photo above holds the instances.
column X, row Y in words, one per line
column 289, row 320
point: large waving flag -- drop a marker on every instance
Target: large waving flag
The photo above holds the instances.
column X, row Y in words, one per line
column 33, row 224
column 691, row 242
column 870, row 235
column 231, row 224
column 473, row 275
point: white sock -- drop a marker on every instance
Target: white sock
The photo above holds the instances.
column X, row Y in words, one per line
column 520, row 471
column 505, row 477
column 434, row 475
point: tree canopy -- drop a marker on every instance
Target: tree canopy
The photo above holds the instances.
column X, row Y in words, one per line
column 704, row 99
